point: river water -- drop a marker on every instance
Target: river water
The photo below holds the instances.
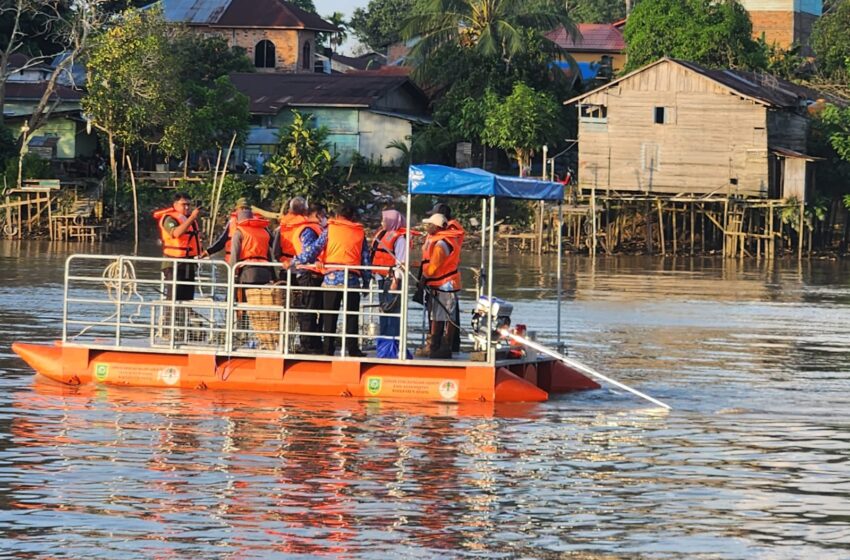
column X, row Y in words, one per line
column 751, row 463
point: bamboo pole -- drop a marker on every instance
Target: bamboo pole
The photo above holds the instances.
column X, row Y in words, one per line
column 221, row 183
column 214, row 187
column 135, row 205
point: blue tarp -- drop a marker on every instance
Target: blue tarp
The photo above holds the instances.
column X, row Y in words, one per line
column 588, row 70
column 449, row 181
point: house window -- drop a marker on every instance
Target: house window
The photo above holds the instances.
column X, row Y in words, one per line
column 305, row 56
column 593, row 113
column 264, row 54
column 664, row 115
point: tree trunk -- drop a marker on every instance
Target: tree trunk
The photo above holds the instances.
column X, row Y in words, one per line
column 113, row 166
column 135, row 207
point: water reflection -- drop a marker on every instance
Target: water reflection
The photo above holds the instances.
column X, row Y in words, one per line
column 751, row 463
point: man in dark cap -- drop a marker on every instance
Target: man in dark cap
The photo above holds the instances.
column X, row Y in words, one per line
column 452, row 224
column 225, row 238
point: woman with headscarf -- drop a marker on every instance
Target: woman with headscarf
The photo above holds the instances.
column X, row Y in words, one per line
column 389, row 249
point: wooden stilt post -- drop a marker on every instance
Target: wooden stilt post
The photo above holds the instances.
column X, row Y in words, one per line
column 800, row 230
column 50, row 214
column 725, row 225
column 648, row 215
column 661, row 242
column 675, row 233
column 771, row 240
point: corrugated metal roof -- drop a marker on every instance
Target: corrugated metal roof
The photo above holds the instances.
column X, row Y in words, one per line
column 762, row 88
column 271, row 13
column 34, row 91
column 244, row 13
column 198, row 12
column 593, row 37
column 269, row 93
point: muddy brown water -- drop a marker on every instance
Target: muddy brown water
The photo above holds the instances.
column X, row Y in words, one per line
column 751, row 463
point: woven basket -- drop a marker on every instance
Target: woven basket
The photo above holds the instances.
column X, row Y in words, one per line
column 265, row 320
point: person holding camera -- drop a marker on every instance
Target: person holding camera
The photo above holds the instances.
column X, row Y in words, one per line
column 180, row 238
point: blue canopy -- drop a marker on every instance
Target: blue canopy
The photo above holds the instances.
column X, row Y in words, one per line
column 449, row 181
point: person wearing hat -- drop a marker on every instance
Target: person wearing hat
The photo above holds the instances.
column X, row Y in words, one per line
column 225, row 238
column 455, row 225
column 441, row 277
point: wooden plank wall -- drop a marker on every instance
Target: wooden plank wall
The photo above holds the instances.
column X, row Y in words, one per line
column 713, row 137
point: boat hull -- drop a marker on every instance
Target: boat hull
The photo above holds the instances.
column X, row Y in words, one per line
column 438, row 381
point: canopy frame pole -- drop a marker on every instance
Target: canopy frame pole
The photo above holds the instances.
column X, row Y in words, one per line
column 559, row 273
column 483, row 245
column 490, row 349
column 405, row 287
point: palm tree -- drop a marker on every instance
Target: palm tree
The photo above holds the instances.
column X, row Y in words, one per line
column 491, row 27
column 338, row 38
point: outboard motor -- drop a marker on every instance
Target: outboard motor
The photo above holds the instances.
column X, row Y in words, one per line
column 500, row 313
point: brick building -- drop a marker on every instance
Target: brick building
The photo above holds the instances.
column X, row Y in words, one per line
column 783, row 22
column 276, row 35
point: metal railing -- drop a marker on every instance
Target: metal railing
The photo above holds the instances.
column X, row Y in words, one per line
column 183, row 304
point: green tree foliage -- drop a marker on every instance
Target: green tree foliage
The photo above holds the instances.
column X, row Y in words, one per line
column 302, row 165
column 8, row 145
column 335, row 40
column 838, row 133
column 306, row 5
column 379, row 24
column 133, row 85
column 521, row 123
column 491, row 28
column 831, row 42
column 468, row 81
column 711, row 33
column 589, row 11
column 212, row 110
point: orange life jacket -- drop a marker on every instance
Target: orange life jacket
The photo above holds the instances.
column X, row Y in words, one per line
column 383, row 247
column 231, row 229
column 449, row 269
column 345, row 244
column 187, row 245
column 298, row 227
column 287, row 249
column 255, row 239
column 455, row 225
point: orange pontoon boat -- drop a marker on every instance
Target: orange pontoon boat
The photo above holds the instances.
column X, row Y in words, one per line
column 120, row 329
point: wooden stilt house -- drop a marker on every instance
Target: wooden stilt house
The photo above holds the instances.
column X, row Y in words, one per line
column 676, row 128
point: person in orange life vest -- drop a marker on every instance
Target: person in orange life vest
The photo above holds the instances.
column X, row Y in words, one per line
column 389, row 249
column 305, row 240
column 251, row 242
column 179, row 235
column 225, row 238
column 452, row 224
column 344, row 243
column 282, row 248
column 441, row 276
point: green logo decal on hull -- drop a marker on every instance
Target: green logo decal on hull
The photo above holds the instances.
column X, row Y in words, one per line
column 101, row 371
column 373, row 385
